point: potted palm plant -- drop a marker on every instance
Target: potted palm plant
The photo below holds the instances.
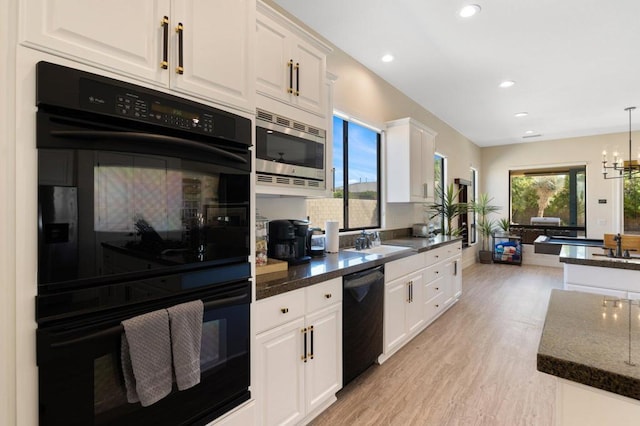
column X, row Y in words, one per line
column 447, row 207
column 483, row 208
column 504, row 224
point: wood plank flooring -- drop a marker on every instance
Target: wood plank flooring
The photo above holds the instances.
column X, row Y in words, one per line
column 475, row 365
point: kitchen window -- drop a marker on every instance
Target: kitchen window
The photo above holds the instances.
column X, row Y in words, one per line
column 631, row 205
column 473, row 231
column 439, row 163
column 553, row 201
column 356, row 173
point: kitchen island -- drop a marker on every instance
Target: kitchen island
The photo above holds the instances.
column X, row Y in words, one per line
column 589, row 342
column 591, row 270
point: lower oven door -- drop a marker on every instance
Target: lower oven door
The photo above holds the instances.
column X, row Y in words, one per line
column 81, row 381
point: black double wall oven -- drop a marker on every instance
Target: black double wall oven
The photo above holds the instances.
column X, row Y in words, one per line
column 143, row 203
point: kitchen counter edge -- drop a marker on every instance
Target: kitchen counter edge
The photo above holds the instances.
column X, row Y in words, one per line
column 567, row 348
column 593, row 256
column 334, row 265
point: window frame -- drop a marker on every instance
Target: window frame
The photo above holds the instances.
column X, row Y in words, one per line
column 571, row 172
column 345, row 173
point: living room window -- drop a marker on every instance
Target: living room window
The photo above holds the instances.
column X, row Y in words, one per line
column 631, row 206
column 549, row 201
column 356, row 165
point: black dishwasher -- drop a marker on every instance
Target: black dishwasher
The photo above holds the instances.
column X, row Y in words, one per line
column 363, row 303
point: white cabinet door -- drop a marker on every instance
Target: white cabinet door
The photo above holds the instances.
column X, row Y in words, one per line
column 118, row 35
column 415, row 304
column 290, row 65
column 395, row 298
column 410, row 162
column 217, row 50
column 274, row 73
column 280, row 372
column 140, row 39
column 457, row 277
column 309, row 79
column 323, row 375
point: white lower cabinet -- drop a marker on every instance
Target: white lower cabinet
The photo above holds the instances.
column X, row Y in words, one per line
column 615, row 282
column 299, row 353
column 418, row 289
column 403, row 315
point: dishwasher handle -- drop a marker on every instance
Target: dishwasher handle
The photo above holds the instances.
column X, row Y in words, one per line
column 363, row 279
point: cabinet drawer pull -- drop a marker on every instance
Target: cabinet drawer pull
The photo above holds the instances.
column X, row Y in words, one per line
column 437, row 306
column 180, row 31
column 311, row 351
column 328, row 295
column 284, row 310
column 297, row 92
column 437, row 288
column 165, row 43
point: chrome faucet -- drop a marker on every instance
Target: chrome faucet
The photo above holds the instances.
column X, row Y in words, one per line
column 618, row 239
column 363, row 241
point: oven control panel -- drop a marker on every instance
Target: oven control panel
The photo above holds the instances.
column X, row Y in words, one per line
column 133, row 106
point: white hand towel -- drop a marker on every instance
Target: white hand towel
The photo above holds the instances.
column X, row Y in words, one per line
column 186, row 339
column 146, row 357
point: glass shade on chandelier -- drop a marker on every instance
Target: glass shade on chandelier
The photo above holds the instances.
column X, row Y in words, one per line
column 620, row 168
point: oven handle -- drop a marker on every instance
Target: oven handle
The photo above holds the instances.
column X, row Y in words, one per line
column 119, row 329
column 146, row 137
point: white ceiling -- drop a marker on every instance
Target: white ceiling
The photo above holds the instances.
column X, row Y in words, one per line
column 576, row 64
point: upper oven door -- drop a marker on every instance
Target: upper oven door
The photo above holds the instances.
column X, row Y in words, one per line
column 118, row 200
column 289, row 152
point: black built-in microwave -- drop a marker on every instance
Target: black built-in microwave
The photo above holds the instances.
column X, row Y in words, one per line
column 288, row 151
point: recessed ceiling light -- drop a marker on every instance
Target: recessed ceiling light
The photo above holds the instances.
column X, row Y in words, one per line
column 529, row 132
column 507, row 83
column 469, row 10
column 387, row 58
column 521, row 114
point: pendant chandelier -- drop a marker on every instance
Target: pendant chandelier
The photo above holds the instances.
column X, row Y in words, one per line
column 621, row 169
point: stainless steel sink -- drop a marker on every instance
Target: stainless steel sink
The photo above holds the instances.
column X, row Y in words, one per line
column 381, row 249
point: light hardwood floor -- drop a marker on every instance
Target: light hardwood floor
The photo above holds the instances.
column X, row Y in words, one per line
column 475, row 365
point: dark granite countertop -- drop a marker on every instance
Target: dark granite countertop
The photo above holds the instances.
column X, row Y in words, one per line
column 333, row 265
column 585, row 342
column 596, row 256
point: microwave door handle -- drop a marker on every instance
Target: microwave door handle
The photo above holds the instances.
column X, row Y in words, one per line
column 146, row 137
column 119, row 329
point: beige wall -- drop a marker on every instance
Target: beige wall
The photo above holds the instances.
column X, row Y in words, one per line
column 8, row 370
column 601, row 218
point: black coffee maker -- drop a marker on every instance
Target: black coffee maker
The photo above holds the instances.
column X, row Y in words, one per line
column 288, row 240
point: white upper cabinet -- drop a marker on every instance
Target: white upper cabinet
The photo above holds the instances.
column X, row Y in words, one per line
column 410, row 149
column 217, row 50
column 200, row 47
column 291, row 65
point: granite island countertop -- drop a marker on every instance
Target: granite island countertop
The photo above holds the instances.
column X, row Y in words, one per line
column 586, row 342
column 334, row 265
column 596, row 256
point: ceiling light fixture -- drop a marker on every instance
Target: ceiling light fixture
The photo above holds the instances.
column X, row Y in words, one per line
column 629, row 169
column 507, row 83
column 521, row 114
column 469, row 10
column 387, row 58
